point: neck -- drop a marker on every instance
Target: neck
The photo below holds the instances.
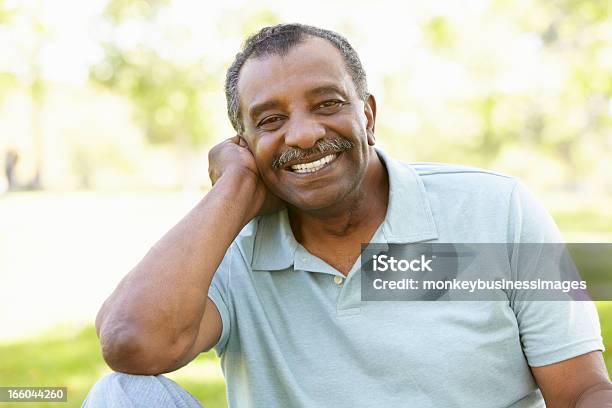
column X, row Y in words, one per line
column 357, row 215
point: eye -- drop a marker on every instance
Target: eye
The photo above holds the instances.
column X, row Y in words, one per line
column 270, row 122
column 331, row 106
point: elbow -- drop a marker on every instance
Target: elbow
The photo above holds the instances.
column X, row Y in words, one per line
column 123, row 352
column 128, row 350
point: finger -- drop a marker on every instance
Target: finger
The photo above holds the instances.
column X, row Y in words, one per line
column 242, row 142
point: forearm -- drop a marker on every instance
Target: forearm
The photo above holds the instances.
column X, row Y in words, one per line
column 163, row 298
column 597, row 396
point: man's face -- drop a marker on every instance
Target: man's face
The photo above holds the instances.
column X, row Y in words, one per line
column 291, row 105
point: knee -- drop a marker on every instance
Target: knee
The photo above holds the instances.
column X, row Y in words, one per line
column 117, row 389
column 122, row 381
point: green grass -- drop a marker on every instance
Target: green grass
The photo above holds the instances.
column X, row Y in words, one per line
column 605, row 317
column 74, row 361
column 587, row 219
column 583, row 220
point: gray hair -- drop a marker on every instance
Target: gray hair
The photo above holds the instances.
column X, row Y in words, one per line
column 278, row 40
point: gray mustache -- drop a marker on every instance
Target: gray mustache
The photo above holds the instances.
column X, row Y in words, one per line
column 333, row 145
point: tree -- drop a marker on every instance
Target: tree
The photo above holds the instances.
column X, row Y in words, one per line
column 167, row 95
column 38, row 33
column 171, row 95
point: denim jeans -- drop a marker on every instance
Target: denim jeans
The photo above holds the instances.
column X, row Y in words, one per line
column 119, row 390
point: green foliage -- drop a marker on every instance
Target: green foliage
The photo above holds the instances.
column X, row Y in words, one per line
column 5, row 13
column 166, row 94
column 7, row 82
column 585, row 11
column 519, row 76
column 439, row 33
column 254, row 22
column 170, row 96
column 119, row 11
column 514, row 78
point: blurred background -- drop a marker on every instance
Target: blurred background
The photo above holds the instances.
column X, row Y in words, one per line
column 108, row 108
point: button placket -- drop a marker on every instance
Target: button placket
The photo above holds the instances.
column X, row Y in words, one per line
column 349, row 301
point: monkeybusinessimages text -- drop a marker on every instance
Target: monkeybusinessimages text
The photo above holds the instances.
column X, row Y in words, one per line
column 423, row 264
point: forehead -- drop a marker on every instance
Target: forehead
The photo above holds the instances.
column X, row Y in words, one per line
column 308, row 65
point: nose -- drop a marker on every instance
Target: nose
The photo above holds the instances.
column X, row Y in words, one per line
column 303, row 131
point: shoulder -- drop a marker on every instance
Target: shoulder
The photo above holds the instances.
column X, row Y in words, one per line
column 453, row 180
column 456, row 172
column 487, row 199
column 468, row 204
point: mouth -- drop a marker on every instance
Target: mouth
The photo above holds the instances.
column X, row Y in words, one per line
column 313, row 165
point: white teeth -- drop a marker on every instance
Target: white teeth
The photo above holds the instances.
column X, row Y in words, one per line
column 313, row 166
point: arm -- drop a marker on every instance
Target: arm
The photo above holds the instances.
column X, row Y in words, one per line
column 555, row 330
column 580, row 382
column 159, row 317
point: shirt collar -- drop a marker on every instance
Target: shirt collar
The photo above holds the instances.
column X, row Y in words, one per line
column 409, row 219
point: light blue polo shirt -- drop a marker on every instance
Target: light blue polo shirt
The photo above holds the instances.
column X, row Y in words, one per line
column 296, row 333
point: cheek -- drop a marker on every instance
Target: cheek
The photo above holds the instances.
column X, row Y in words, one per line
column 263, row 150
column 350, row 126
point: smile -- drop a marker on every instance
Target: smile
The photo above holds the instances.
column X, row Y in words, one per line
column 314, row 165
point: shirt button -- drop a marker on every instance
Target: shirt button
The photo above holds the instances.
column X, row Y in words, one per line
column 338, row 280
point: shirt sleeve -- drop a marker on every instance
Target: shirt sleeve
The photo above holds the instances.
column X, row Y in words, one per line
column 550, row 331
column 219, row 293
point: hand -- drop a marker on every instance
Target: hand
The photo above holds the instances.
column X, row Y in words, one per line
column 233, row 158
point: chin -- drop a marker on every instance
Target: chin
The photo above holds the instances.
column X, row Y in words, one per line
column 319, row 200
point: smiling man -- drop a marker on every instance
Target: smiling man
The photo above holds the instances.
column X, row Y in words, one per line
column 266, row 268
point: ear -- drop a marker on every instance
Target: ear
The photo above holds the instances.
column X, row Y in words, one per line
column 242, row 142
column 370, row 113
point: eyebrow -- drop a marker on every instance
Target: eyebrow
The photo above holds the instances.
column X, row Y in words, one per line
column 323, row 89
column 257, row 109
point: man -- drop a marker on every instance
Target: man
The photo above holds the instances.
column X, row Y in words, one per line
column 276, row 245
column 10, row 162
